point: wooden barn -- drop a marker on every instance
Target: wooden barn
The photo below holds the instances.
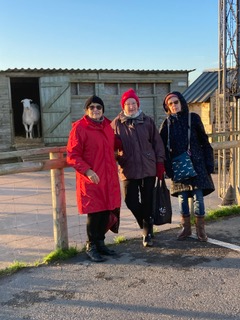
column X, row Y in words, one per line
column 201, row 98
column 61, row 95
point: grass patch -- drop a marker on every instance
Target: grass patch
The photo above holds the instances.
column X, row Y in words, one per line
column 222, row 212
column 119, row 239
column 155, row 229
column 57, row 255
column 213, row 215
column 14, row 267
column 60, row 255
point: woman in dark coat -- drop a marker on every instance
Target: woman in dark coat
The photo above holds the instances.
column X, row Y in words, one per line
column 202, row 157
column 140, row 157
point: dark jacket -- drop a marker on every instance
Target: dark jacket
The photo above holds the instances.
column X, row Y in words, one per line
column 142, row 146
column 201, row 150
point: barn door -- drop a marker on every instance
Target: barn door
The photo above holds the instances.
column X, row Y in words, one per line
column 6, row 121
column 55, row 109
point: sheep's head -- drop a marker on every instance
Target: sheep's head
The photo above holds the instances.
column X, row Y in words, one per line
column 26, row 103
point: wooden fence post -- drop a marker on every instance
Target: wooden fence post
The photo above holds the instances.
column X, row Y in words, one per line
column 60, row 230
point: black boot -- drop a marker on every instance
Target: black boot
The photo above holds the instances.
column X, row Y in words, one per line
column 147, row 241
column 103, row 249
column 151, row 228
column 147, row 237
column 92, row 252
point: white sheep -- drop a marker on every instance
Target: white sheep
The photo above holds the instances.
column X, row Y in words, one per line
column 30, row 117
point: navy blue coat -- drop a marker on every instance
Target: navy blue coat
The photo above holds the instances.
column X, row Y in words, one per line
column 201, row 150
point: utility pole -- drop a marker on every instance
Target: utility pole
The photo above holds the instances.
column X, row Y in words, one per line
column 227, row 102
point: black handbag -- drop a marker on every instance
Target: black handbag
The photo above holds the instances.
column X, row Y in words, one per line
column 162, row 208
column 182, row 165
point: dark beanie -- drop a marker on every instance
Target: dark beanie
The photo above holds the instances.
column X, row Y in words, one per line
column 94, row 99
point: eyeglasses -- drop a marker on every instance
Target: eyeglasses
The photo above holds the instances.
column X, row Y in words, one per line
column 98, row 107
column 173, row 102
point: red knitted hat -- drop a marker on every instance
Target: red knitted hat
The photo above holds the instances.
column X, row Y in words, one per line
column 129, row 94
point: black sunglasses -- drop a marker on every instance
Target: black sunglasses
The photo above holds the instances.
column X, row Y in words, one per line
column 98, row 106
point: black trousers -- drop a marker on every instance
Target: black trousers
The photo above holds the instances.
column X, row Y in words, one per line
column 138, row 198
column 96, row 226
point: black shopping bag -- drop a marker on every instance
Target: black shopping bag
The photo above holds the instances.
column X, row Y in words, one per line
column 162, row 208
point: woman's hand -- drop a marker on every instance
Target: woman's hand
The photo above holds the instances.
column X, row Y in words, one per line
column 92, row 176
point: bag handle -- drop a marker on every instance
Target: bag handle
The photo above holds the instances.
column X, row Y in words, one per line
column 162, row 182
column 189, row 131
column 168, row 140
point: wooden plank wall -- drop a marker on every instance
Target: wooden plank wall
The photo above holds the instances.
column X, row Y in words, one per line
column 151, row 97
column 5, row 115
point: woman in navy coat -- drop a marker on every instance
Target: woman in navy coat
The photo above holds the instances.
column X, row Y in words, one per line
column 202, row 157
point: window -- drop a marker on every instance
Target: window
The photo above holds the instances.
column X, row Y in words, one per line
column 82, row 89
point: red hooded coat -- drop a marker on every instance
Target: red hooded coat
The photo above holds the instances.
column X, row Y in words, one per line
column 91, row 146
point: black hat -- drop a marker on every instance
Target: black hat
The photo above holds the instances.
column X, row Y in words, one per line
column 93, row 99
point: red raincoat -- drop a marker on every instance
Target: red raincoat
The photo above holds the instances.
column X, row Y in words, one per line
column 91, row 146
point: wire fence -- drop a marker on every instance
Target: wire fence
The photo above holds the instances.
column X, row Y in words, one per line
column 26, row 219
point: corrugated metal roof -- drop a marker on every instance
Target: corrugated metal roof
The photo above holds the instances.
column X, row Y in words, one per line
column 93, row 70
column 202, row 88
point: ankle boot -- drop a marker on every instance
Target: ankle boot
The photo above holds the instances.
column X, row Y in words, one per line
column 186, row 230
column 147, row 236
column 92, row 252
column 200, row 228
column 151, row 228
column 147, row 241
column 103, row 249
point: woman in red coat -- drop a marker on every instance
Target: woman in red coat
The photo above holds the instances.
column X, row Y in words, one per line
column 90, row 151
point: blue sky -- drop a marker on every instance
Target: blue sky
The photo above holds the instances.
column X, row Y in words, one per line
column 109, row 34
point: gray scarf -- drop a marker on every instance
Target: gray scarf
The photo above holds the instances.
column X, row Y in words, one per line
column 132, row 120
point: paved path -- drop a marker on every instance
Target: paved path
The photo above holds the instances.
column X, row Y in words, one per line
column 178, row 280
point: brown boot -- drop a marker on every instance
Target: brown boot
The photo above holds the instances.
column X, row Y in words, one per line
column 200, row 229
column 186, row 230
